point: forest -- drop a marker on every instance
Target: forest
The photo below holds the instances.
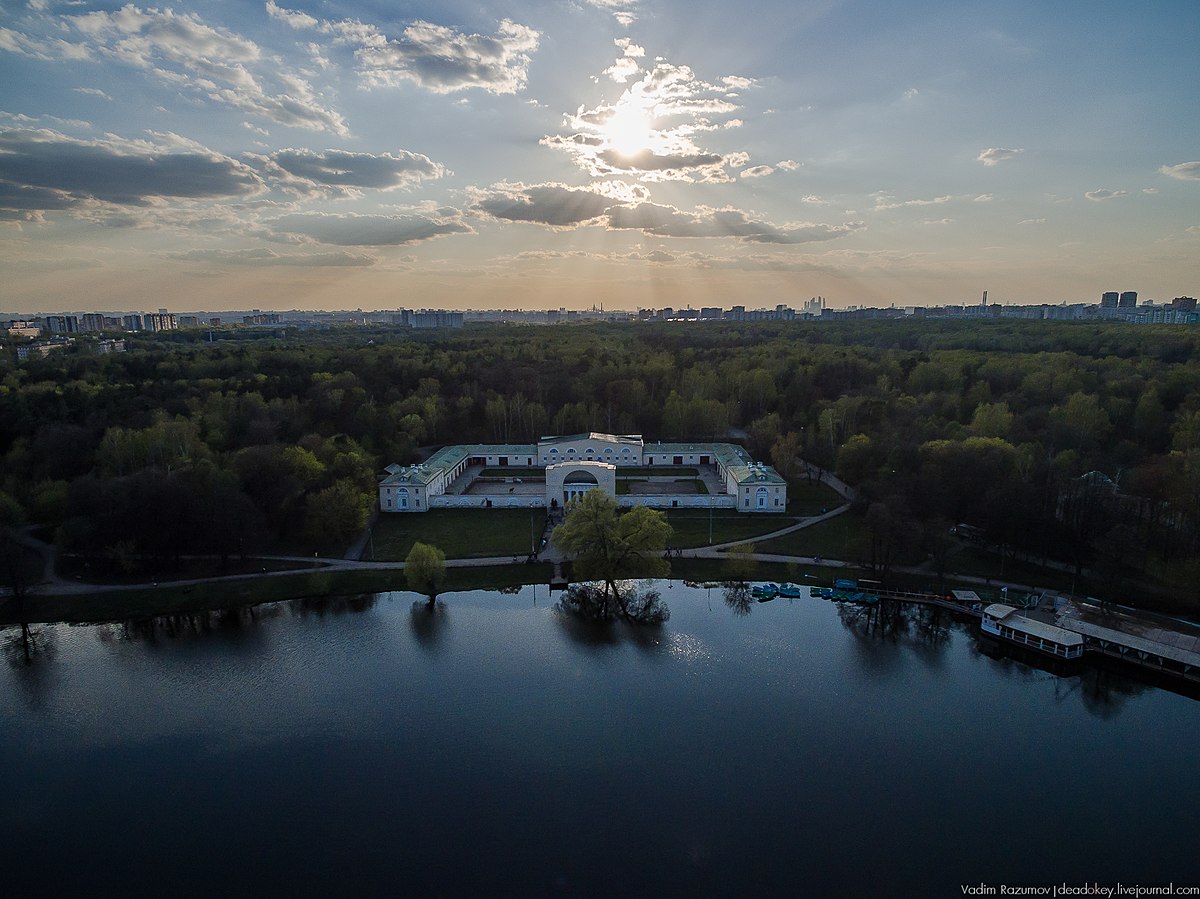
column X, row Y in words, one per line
column 1067, row 441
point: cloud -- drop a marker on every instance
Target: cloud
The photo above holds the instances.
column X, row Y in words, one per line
column 938, row 222
column 758, row 171
column 997, row 155
column 626, row 66
column 881, row 202
column 622, row 10
column 436, row 57
column 737, row 82
column 1105, row 194
column 667, row 221
column 554, row 205
column 46, row 170
column 181, row 50
column 267, row 257
column 354, row 230
column 649, row 132
column 788, row 165
column 1032, row 222
column 93, row 92
column 561, row 207
column 1185, row 171
column 345, row 171
column 985, row 198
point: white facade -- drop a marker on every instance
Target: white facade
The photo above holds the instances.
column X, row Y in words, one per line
column 578, row 462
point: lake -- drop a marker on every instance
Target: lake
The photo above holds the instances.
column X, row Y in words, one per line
column 368, row 746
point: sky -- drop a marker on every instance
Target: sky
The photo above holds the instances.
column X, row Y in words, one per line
column 377, row 154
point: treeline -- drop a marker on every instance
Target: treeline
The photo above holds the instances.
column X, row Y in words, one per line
column 1078, row 442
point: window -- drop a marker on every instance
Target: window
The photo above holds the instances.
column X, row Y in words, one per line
column 554, row 450
column 625, row 451
column 571, row 451
column 608, row 451
column 590, row 451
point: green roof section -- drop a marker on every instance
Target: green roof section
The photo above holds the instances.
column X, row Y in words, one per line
column 733, row 458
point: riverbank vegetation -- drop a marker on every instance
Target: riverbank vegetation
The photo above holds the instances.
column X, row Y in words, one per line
column 1073, row 442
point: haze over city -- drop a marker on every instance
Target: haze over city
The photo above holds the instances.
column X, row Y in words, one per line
column 212, row 155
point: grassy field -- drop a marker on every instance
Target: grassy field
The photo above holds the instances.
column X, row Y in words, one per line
column 807, row 497
column 841, row 537
column 459, row 533
column 118, row 605
column 661, row 471
column 691, row 526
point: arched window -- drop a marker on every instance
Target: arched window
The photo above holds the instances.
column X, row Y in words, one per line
column 554, row 450
column 571, row 451
column 590, row 451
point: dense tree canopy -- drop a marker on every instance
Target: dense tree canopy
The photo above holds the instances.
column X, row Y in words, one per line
column 997, row 424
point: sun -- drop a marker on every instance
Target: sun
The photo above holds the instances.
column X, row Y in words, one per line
column 629, row 130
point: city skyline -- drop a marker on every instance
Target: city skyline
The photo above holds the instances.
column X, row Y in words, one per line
column 366, row 155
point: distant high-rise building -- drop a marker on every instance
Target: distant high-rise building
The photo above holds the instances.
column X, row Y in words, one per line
column 1187, row 304
column 93, row 321
column 132, row 322
column 1109, row 299
column 62, row 324
column 1128, row 300
column 984, row 303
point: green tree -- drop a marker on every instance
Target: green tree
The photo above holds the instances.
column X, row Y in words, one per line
column 738, row 564
column 608, row 546
column 425, row 570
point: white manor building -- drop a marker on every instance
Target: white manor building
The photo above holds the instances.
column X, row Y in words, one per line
column 556, row 470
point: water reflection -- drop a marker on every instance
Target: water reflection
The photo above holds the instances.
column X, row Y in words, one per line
column 429, row 621
column 29, row 650
column 333, row 605
column 594, row 635
column 737, row 598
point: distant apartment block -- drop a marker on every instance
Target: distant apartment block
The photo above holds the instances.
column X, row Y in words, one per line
column 92, row 321
column 61, row 324
column 22, row 328
column 159, row 321
column 428, row 319
column 261, row 318
column 132, row 322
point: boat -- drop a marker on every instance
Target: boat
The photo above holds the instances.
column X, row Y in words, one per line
column 791, row 591
column 843, row 584
column 1005, row 623
column 763, row 592
column 822, row 592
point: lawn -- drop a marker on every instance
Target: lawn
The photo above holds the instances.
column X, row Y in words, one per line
column 807, row 497
column 459, row 533
column 691, row 526
column 658, row 471
column 842, row 537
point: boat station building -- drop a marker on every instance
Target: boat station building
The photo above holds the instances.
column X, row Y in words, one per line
column 558, row 470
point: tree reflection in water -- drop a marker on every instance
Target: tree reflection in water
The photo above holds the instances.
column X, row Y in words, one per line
column 737, row 597
column 595, row 635
column 428, row 621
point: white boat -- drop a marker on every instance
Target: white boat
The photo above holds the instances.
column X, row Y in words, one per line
column 1006, row 623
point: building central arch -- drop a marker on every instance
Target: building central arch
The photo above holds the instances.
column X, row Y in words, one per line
column 569, row 481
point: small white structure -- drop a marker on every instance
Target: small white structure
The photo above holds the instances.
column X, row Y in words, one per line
column 1004, row 622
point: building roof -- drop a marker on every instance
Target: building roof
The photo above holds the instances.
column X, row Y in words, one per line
column 631, row 439
column 731, row 457
column 1008, row 616
column 1174, row 645
column 424, row 472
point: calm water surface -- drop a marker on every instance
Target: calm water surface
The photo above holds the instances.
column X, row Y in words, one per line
column 370, row 747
